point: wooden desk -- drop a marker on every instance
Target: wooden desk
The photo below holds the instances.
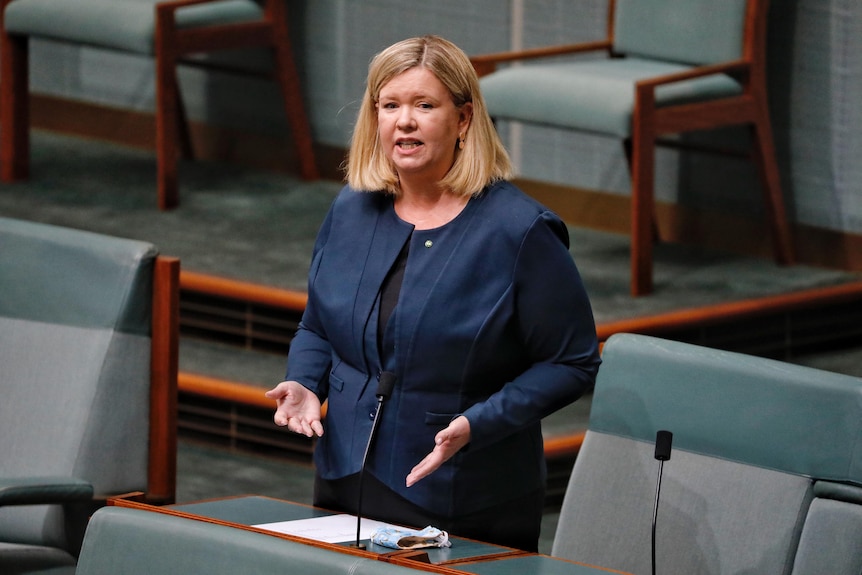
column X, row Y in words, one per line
column 465, row 555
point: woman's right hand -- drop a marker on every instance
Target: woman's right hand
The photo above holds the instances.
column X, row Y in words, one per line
column 297, row 407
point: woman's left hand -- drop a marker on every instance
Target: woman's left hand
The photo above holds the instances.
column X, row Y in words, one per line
column 447, row 443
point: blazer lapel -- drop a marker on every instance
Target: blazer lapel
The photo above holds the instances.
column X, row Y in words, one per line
column 389, row 235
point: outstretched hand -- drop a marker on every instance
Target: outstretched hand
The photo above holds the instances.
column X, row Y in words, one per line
column 297, row 407
column 447, row 443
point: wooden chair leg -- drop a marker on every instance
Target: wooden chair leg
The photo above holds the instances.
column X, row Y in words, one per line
column 627, row 149
column 642, row 221
column 291, row 89
column 643, row 174
column 14, row 107
column 186, row 148
column 770, row 178
column 167, row 95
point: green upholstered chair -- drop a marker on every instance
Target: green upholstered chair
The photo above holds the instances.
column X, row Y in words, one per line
column 88, row 367
column 671, row 67
column 765, row 475
column 139, row 542
column 165, row 30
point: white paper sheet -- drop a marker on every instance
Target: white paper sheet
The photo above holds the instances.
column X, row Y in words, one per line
column 339, row 528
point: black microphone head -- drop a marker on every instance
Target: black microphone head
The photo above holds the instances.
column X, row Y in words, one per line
column 385, row 384
column 663, row 440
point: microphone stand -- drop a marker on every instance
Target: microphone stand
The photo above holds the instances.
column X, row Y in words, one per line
column 385, row 385
column 663, row 442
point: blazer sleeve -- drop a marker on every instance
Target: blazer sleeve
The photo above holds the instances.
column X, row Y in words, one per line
column 557, row 329
column 310, row 356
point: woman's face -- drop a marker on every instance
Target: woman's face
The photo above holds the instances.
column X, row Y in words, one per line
column 419, row 125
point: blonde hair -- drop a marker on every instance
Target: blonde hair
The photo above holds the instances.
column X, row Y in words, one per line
column 483, row 159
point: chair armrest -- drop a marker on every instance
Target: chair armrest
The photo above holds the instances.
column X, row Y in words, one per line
column 487, row 63
column 168, row 8
column 172, row 5
column 43, row 490
column 179, row 40
column 737, row 67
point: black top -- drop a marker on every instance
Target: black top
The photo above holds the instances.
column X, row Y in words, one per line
column 389, row 292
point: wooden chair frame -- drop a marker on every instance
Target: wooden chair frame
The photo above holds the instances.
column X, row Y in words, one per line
column 164, row 368
column 650, row 121
column 171, row 44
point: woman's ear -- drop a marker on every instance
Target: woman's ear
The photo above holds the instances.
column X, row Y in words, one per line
column 465, row 116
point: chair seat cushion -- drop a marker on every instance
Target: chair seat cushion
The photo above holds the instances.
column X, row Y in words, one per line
column 127, row 25
column 592, row 95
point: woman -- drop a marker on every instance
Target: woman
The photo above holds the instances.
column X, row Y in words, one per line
column 431, row 266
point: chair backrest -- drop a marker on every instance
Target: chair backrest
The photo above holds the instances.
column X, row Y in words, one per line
column 75, row 366
column 751, row 436
column 138, row 542
column 689, row 32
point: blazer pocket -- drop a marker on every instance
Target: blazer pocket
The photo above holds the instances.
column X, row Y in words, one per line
column 335, row 382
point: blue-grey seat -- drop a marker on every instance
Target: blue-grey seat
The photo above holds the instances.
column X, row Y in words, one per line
column 167, row 30
column 764, row 476
column 88, row 367
column 670, row 67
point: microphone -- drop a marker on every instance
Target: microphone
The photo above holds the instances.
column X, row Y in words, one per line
column 385, row 385
column 663, row 440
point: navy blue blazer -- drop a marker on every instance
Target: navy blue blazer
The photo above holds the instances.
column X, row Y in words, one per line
column 492, row 323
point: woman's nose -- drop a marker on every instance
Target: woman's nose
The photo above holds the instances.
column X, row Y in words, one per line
column 406, row 120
